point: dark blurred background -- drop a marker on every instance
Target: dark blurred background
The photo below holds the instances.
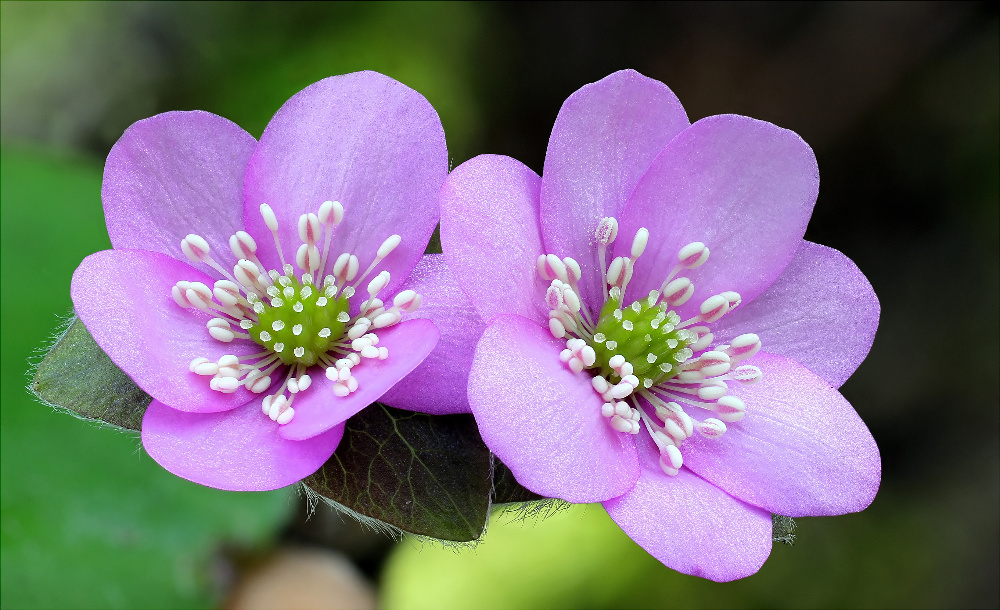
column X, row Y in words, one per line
column 899, row 100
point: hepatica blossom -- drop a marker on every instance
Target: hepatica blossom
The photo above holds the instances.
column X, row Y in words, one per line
column 661, row 339
column 261, row 292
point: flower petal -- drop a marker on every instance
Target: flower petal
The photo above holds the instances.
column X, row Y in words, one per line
column 439, row 385
column 318, row 409
column 123, row 298
column 689, row 524
column 365, row 140
column 801, row 450
column 238, row 450
column 743, row 187
column 490, row 236
column 544, row 421
column 173, row 174
column 606, row 135
column 820, row 312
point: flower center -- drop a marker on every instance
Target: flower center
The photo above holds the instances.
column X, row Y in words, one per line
column 299, row 322
column 643, row 356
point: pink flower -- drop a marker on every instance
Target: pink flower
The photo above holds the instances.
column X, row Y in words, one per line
column 628, row 292
column 245, row 291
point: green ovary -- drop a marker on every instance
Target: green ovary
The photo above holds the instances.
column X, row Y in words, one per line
column 313, row 318
column 645, row 336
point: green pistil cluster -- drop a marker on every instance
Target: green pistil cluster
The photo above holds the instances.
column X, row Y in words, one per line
column 300, row 323
column 645, row 334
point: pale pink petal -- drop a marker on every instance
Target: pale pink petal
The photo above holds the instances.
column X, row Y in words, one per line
column 238, row 450
column 606, row 135
column 743, row 187
column 362, row 139
column 689, row 524
column 801, row 450
column 821, row 312
column 173, row 174
column 123, row 298
column 490, row 236
column 318, row 409
column 439, row 384
column 544, row 421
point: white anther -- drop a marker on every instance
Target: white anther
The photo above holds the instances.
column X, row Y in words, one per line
column 407, row 300
column 713, row 308
column 388, row 246
column 674, row 430
column 309, row 228
column 331, row 213
column 293, row 386
column 229, row 361
column 671, row 460
column 247, row 273
column 639, row 242
column 242, row 245
column 623, row 410
column 571, row 299
column 203, row 366
column 733, row 297
column 369, row 351
column 608, row 409
column 621, row 424
column 617, row 271
column 218, row 323
column 632, row 380
column 607, row 231
column 713, row 364
column 705, row 339
column 693, row 255
column 195, row 248
column 616, row 361
column 224, row 335
column 572, row 269
column 275, row 406
column 285, row 416
column 600, row 384
column 198, row 299
column 625, row 370
column 678, row 291
column 386, row 319
column 542, row 269
column 588, row 355
column 269, row 218
column 360, row 327
column 622, row 389
column 226, row 385
column 730, row 408
column 744, row 346
column 259, row 385
column 226, row 292
column 179, row 293
column 378, row 283
column 556, row 267
column 711, row 428
column 712, row 392
column 354, row 358
column 747, row 374
column 307, row 257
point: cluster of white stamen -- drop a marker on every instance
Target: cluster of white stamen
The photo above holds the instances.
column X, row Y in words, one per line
column 666, row 374
column 299, row 320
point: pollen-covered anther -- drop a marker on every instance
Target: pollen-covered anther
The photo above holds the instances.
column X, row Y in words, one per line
column 607, row 231
column 746, row 374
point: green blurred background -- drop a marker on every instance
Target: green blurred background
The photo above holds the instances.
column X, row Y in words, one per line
column 899, row 101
